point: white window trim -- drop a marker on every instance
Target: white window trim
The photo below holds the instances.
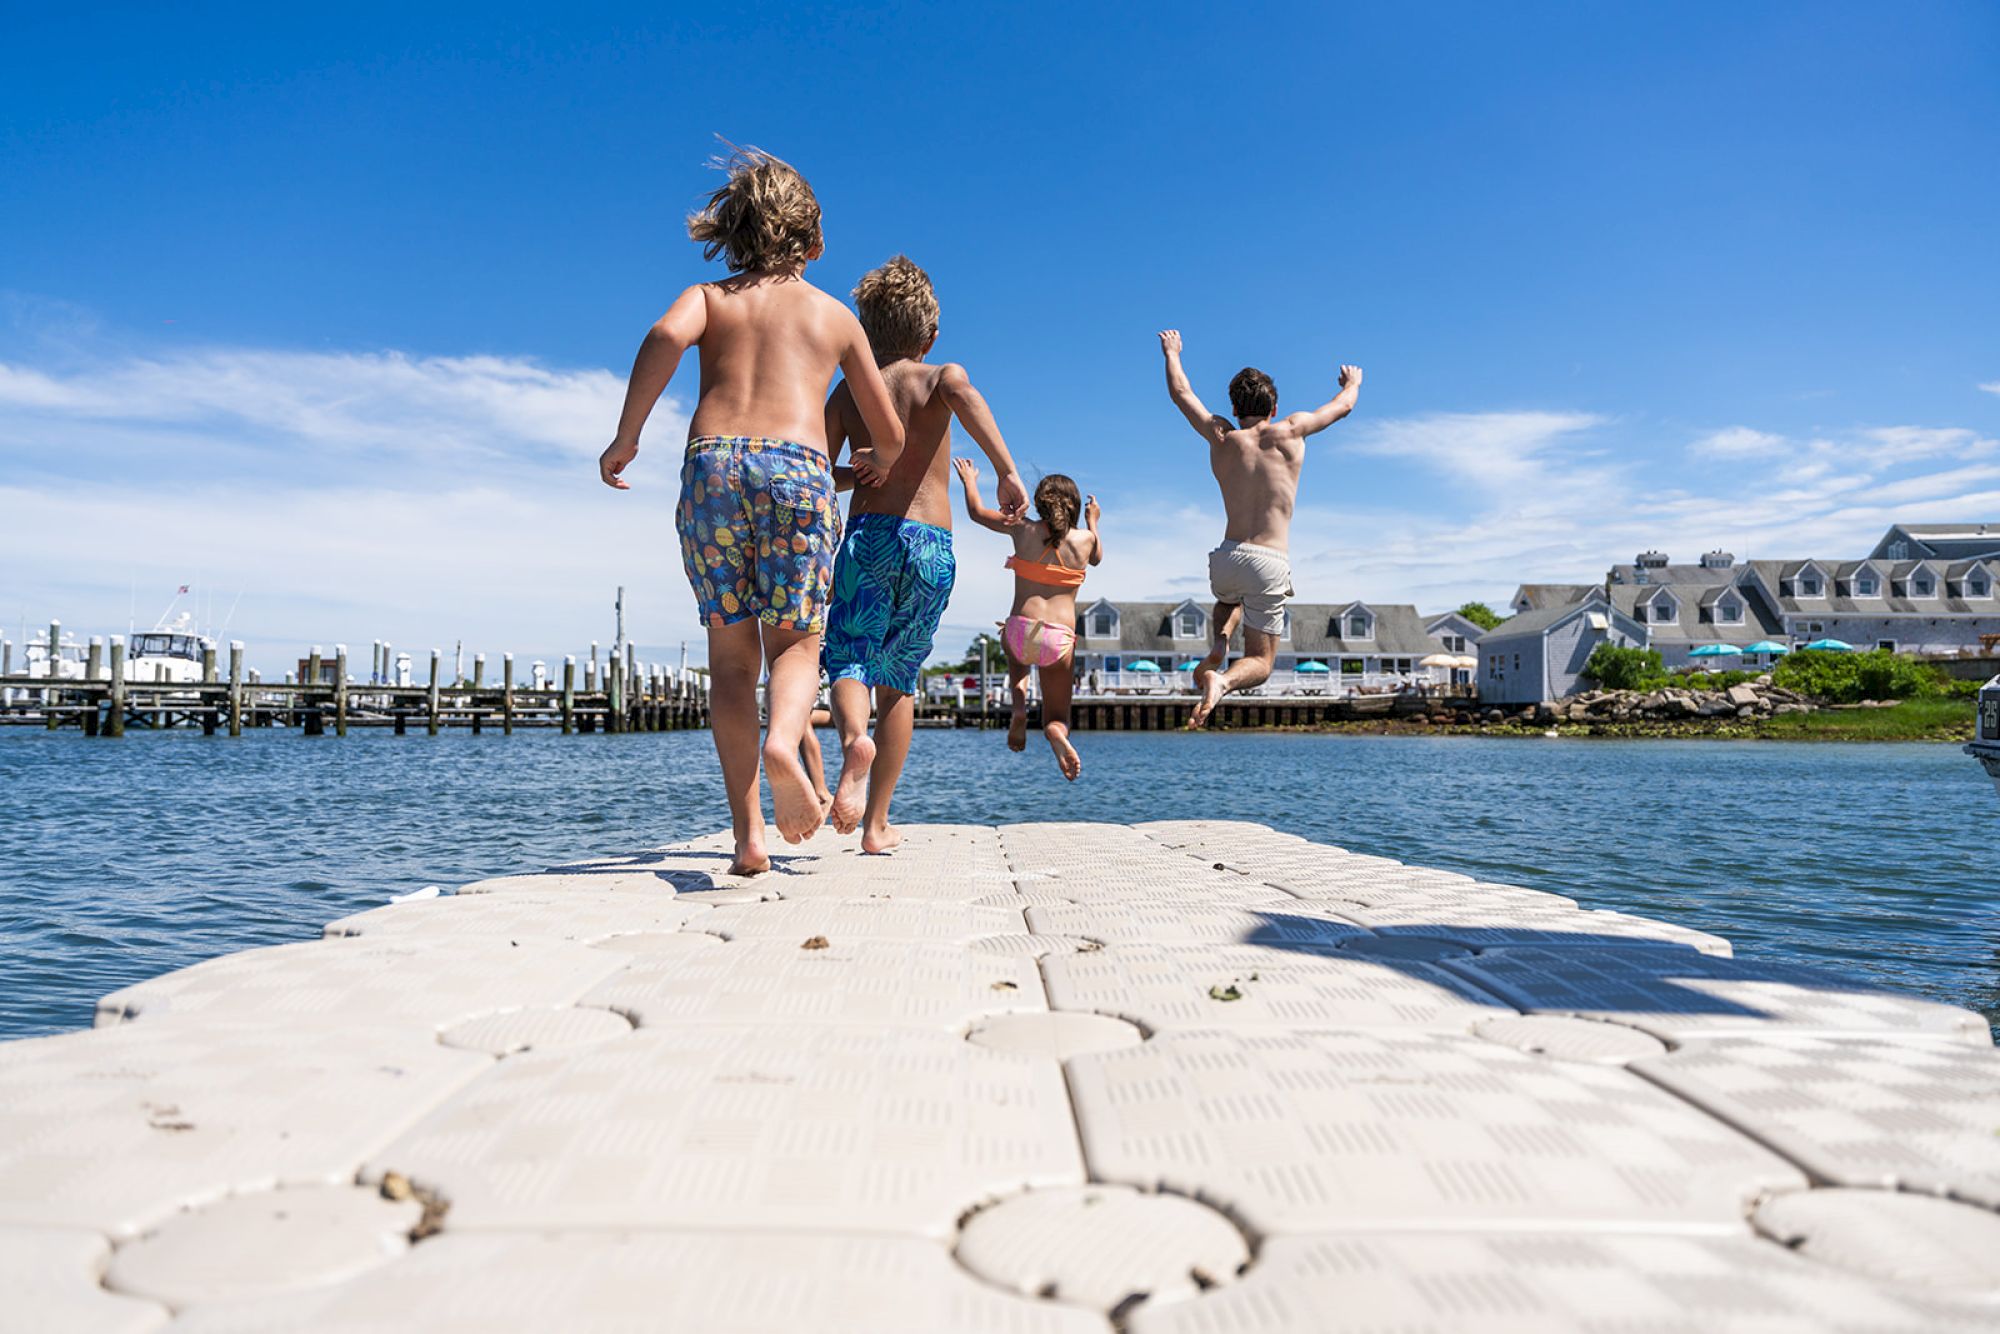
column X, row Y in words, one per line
column 1876, row 592
column 1927, row 573
column 1984, row 578
column 1726, row 601
column 1347, row 630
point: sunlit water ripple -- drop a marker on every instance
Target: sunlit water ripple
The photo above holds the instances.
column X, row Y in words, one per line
column 123, row 859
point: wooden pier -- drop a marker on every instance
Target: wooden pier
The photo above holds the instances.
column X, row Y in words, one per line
column 630, row 698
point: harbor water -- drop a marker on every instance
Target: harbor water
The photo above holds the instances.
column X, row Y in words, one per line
column 121, row 860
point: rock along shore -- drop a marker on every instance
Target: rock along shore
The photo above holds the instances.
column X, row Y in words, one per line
column 1191, row 1076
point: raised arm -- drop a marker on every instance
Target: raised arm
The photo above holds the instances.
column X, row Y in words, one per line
column 1206, row 424
column 1311, row 423
column 975, row 508
column 877, row 410
column 1090, row 513
column 969, row 406
column 652, row 370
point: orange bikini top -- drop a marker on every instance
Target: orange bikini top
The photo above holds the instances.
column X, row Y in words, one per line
column 1047, row 571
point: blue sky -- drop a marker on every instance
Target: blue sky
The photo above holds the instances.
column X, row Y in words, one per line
column 334, row 315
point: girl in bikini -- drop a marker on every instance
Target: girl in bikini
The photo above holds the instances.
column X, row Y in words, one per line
column 1050, row 557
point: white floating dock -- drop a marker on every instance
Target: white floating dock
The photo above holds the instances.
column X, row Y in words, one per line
column 1193, row 1077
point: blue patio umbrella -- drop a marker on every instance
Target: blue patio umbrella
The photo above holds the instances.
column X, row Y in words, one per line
column 1311, row 666
column 1190, row 664
column 1142, row 665
column 1767, row 646
column 1715, row 651
column 1831, row 646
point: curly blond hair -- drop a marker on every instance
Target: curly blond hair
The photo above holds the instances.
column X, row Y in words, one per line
column 898, row 309
column 763, row 217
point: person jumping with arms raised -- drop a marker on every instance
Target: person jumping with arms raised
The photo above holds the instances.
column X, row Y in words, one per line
column 1256, row 463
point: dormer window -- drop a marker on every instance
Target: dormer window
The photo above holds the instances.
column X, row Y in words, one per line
column 1358, row 625
column 1977, row 585
column 1922, row 585
column 1187, row 624
column 1103, row 622
column 1866, row 585
column 1809, row 584
column 1729, row 611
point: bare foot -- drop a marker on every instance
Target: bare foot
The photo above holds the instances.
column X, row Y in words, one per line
column 751, row 859
column 1017, row 729
column 825, row 800
column 791, row 794
column 851, row 797
column 884, row 839
column 1067, row 759
column 1212, row 691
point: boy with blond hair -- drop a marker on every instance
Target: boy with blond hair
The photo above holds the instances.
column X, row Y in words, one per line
column 758, row 518
column 1256, row 462
column 896, row 567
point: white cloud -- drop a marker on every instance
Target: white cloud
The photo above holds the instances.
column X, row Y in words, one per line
column 1481, row 447
column 1991, row 386
column 1906, row 444
column 1737, row 442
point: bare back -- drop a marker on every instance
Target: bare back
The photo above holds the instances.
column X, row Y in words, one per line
column 769, row 350
column 1043, row 602
column 919, row 485
column 1257, row 467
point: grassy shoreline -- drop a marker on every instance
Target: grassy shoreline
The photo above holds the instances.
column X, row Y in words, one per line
column 1940, row 720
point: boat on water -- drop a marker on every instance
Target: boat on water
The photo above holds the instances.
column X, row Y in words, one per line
column 1985, row 743
column 71, row 658
column 170, row 653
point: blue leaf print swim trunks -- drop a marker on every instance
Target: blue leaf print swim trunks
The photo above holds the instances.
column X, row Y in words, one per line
column 890, row 587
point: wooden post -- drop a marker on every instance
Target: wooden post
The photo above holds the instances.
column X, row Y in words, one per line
column 478, row 670
column 6, row 657
column 94, row 670
column 431, row 702
column 117, row 720
column 569, row 695
column 507, row 694
column 614, row 696
column 590, row 672
column 208, row 664
column 340, row 690
column 52, row 694
column 236, row 687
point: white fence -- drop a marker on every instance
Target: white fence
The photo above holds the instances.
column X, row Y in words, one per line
column 1332, row 684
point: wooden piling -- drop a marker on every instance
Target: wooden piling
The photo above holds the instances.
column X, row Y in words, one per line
column 340, row 690
column 569, row 695
column 507, row 695
column 117, row 718
column 236, row 687
column 94, row 670
column 614, row 696
column 431, row 699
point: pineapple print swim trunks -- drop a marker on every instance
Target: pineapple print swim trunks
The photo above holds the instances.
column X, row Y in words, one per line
column 759, row 524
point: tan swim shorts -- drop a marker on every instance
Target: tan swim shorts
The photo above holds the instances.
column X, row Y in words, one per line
column 1259, row 578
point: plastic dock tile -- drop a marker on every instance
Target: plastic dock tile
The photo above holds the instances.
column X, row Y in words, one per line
column 119, row 1128
column 268, row 1242
column 1916, row 1115
column 705, row 1127
column 1170, row 987
column 541, row 1028
column 1138, row 922
column 851, row 980
column 1680, row 996
column 1333, row 1131
column 1564, row 1039
column 799, row 920
column 1106, row 1248
column 405, row 980
column 1890, row 1235
column 655, row 1283
column 584, row 915
column 1483, row 927
column 50, row 1280
column 1550, row 1283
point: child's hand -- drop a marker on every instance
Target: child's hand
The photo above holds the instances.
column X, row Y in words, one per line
column 1349, row 375
column 1091, row 511
column 1170, row 342
column 1013, row 498
column 868, row 469
column 613, row 460
column 968, row 472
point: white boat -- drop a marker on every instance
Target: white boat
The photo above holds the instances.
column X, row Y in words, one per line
column 1985, row 743
column 170, row 652
column 71, row 660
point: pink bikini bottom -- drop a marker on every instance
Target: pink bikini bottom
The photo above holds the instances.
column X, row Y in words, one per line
column 1036, row 643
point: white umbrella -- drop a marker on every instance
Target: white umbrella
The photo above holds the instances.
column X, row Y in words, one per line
column 1468, row 662
column 1438, row 660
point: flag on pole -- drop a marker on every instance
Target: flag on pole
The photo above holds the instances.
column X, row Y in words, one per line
column 184, row 588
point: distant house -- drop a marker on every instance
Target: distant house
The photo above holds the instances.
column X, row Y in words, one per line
column 1325, row 647
column 1453, row 631
column 1926, row 605
column 1539, row 654
column 1538, row 597
column 1686, row 607
column 1939, row 541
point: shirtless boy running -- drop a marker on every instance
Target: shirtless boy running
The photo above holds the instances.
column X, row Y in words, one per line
column 758, row 518
column 1256, row 463
column 896, row 567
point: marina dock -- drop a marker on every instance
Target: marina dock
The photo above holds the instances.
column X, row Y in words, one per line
column 1196, row 1077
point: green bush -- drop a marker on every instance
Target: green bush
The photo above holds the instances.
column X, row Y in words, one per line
column 1845, row 678
column 1714, row 680
column 1617, row 668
